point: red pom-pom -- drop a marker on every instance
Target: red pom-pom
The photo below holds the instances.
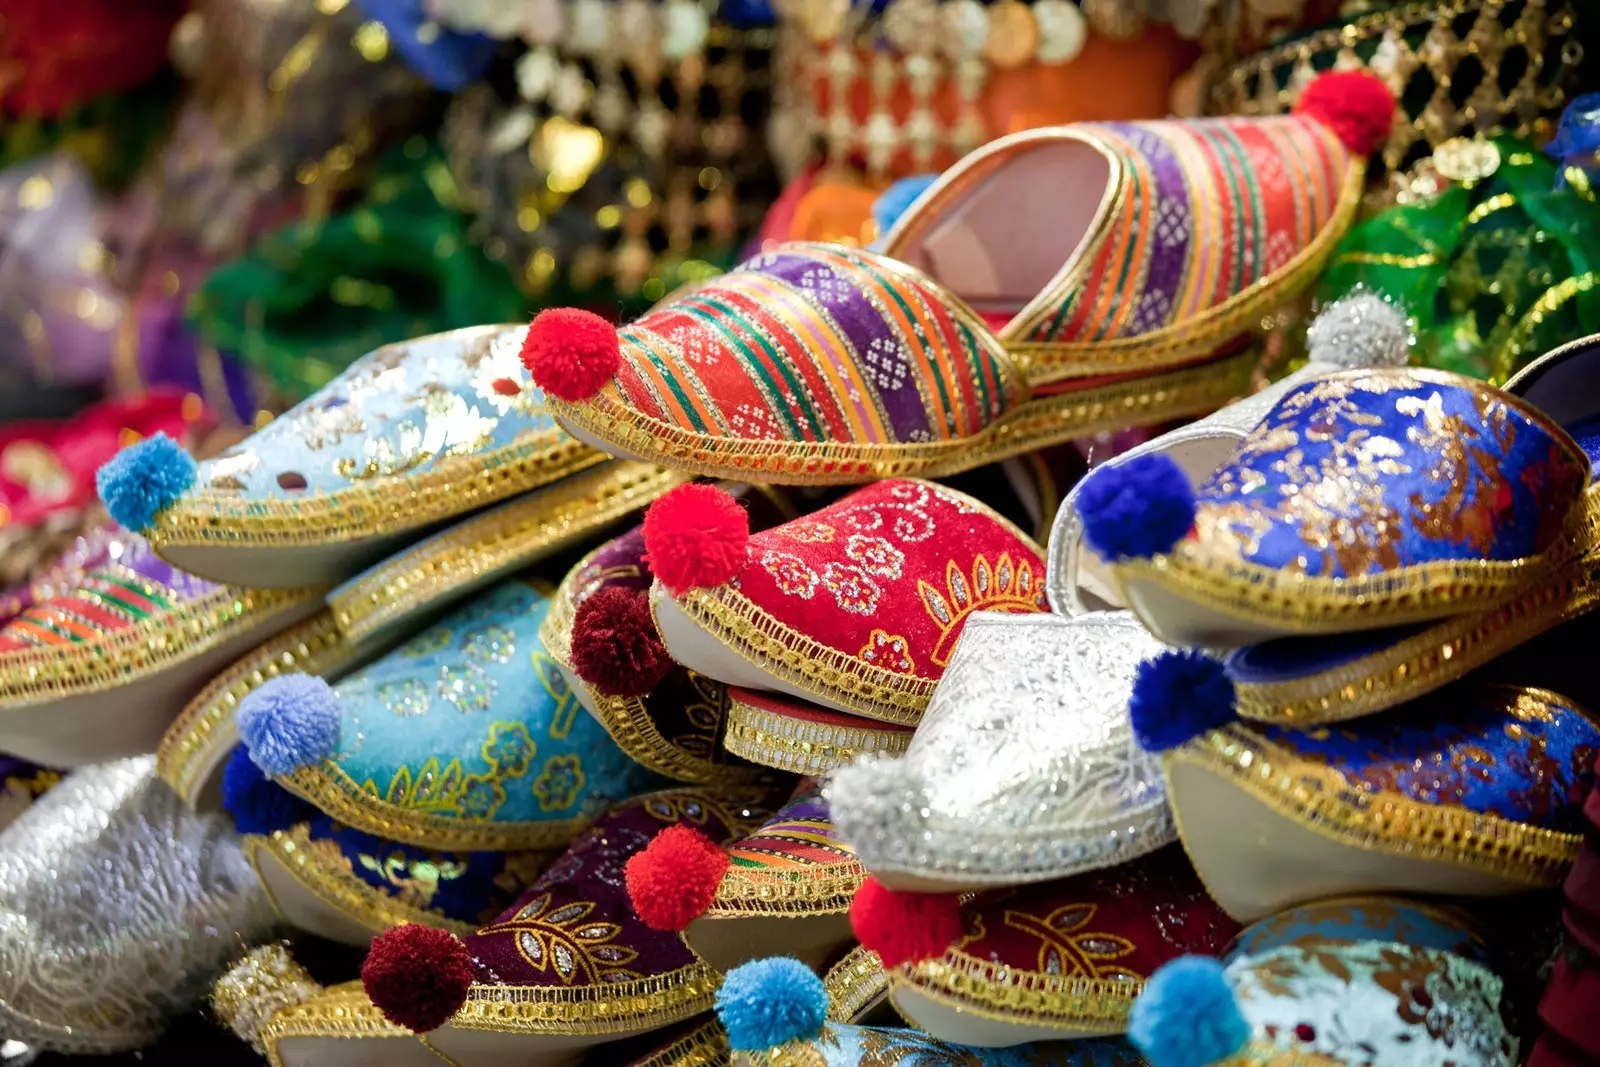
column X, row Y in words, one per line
column 904, row 927
column 615, row 647
column 1354, row 104
column 695, row 537
column 674, row 880
column 571, row 352
column 417, row 976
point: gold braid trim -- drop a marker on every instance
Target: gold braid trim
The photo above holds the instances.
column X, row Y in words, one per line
column 148, row 647
column 991, row 990
column 800, row 745
column 704, row 1046
column 1320, row 799
column 478, row 550
column 855, row 984
column 610, row 1008
column 206, row 723
column 453, row 486
column 338, row 887
column 795, row 892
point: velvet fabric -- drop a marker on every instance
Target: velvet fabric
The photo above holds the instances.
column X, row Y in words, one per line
column 1375, row 471
column 1366, row 918
column 1571, row 1004
column 575, row 926
column 798, row 840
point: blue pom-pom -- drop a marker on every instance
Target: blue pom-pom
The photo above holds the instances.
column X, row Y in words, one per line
column 1177, row 696
column 136, row 483
column 767, row 1003
column 1136, row 509
column 290, row 722
column 257, row 803
column 1187, row 1015
column 893, row 201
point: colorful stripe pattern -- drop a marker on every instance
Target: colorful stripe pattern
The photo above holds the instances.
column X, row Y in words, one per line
column 815, row 343
column 1211, row 208
column 132, row 587
column 800, row 837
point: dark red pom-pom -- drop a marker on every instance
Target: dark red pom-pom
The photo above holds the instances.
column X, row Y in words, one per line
column 674, row 880
column 417, row 976
column 571, row 352
column 615, row 647
column 904, row 927
column 1354, row 104
column 696, row 537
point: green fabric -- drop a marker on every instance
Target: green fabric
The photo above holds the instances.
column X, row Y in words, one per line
column 111, row 136
column 313, row 297
column 1493, row 274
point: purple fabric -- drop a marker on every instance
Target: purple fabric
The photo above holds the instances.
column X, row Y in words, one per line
column 576, row 927
column 862, row 325
column 1169, row 254
column 134, row 552
column 11, row 767
column 619, row 563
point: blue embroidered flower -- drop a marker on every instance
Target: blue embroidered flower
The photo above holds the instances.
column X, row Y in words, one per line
column 1577, row 139
column 447, row 60
column 558, row 784
column 481, row 797
column 509, row 749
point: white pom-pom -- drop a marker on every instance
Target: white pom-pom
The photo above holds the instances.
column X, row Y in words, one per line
column 1360, row 329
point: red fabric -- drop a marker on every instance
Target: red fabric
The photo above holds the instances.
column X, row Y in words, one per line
column 56, row 54
column 890, row 573
column 1570, row 1013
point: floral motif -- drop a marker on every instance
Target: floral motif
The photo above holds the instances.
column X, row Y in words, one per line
column 468, row 687
column 877, row 556
column 407, row 697
column 558, row 784
column 564, row 941
column 480, row 797
column 793, row 575
column 509, row 750
column 851, row 588
column 1070, row 948
column 1007, row 586
column 414, row 881
column 808, row 531
column 492, row 644
column 889, row 652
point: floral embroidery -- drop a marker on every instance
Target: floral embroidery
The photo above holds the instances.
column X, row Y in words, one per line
column 567, row 706
column 808, row 531
column 558, row 784
column 509, row 749
column 1068, row 947
column 565, row 941
column 408, row 697
column 1007, row 586
column 877, row 557
column 851, row 588
column 414, row 881
column 793, row 575
column 431, row 788
column 492, row 644
column 469, row 688
column 480, row 797
column 888, row 651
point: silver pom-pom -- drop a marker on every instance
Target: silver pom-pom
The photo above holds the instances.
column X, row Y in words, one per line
column 257, row 987
column 876, row 803
column 1360, row 329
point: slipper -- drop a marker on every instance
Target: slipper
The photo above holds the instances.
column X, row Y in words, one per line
column 491, row 545
column 600, row 633
column 1365, row 499
column 408, row 437
column 1471, row 792
column 1024, row 768
column 1053, row 284
column 1046, row 963
column 464, row 739
column 784, row 889
column 855, row 608
column 569, row 965
column 1338, row 984
column 96, row 671
column 792, row 735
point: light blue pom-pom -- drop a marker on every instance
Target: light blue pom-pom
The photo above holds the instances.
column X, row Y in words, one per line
column 1136, row 509
column 290, row 722
column 893, row 201
column 1187, row 1015
column 770, row 1002
column 143, row 478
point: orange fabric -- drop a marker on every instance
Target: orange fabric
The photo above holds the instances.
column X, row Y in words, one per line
column 836, row 210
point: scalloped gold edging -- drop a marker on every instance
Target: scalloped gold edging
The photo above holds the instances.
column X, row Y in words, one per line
column 795, row 892
column 1034, row 424
column 1297, row 604
column 1422, row 663
column 517, row 533
column 801, row 745
column 313, row 647
column 704, row 1046
column 342, row 890
column 341, row 1011
column 854, row 984
column 612, row 1008
column 36, row 676
column 456, row 485
column 337, row 796
column 991, row 990
column 1320, row 799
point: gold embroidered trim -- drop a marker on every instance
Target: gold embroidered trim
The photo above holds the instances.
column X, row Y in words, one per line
column 35, row 676
column 855, row 984
column 484, row 546
column 796, row 892
column 341, row 1011
column 454, row 486
column 206, row 723
column 991, row 990
column 338, row 796
column 1422, row 663
column 343, row 890
column 801, row 745
column 1034, row 424
column 1322, row 800
column 611, row 1008
column 704, row 1046
column 627, row 719
column 1421, row 592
